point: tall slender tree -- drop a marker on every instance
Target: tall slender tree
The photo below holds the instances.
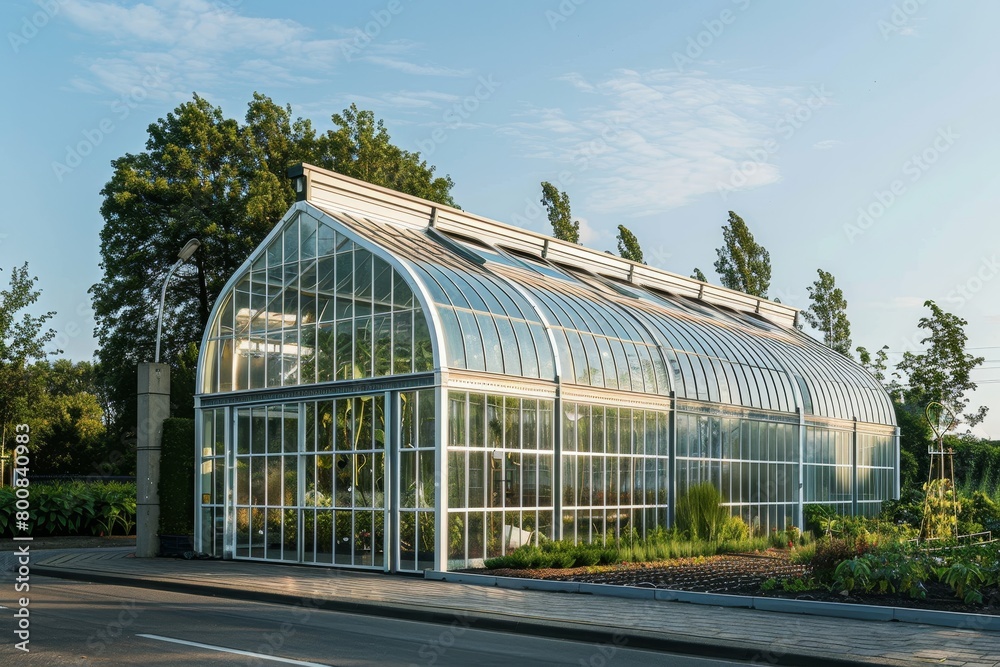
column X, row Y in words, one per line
column 743, row 264
column 557, row 205
column 628, row 245
column 827, row 313
column 23, row 338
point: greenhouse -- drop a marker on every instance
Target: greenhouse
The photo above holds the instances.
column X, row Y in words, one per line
column 392, row 384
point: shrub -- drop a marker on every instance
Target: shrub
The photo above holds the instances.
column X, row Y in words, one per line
column 700, row 514
column 734, row 528
column 73, row 508
column 907, row 510
column 831, row 552
column 177, row 477
column 979, row 512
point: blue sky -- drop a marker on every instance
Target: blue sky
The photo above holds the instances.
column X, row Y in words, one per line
column 859, row 137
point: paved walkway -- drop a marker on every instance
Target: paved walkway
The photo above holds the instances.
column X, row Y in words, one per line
column 765, row 637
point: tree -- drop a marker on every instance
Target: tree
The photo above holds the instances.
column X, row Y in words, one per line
column 942, row 372
column 743, row 264
column 361, row 147
column 828, row 313
column 628, row 245
column 208, row 176
column 557, row 205
column 23, row 338
column 67, row 421
column 698, row 275
column 877, row 365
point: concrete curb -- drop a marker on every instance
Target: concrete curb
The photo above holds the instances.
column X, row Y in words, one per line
column 577, row 632
column 861, row 612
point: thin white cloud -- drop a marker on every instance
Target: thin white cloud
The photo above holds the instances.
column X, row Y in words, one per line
column 659, row 139
column 408, row 67
column 196, row 25
column 205, row 44
column 577, row 81
column 827, row 144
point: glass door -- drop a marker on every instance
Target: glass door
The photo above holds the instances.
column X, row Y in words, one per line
column 344, row 482
column 266, row 482
column 416, row 481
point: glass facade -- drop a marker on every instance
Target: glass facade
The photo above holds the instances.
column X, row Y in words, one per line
column 380, row 393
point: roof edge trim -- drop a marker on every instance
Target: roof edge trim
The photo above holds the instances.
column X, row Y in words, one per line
column 328, row 189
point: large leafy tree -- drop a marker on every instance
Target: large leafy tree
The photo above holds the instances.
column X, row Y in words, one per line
column 23, row 338
column 827, row 313
column 208, row 176
column 557, row 205
column 628, row 245
column 942, row 372
column 743, row 264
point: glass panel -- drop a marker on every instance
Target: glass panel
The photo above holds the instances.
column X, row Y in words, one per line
column 472, row 341
column 402, row 296
column 423, row 354
column 402, row 342
column 291, row 240
column 382, row 350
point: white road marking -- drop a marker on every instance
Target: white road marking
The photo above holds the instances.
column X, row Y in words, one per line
column 222, row 649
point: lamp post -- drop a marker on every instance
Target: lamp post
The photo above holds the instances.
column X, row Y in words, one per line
column 153, row 409
column 184, row 255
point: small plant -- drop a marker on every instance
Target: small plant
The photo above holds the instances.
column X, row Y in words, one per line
column 798, row 585
column 851, row 574
column 964, row 578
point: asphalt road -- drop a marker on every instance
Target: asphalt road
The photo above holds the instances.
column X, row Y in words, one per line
column 77, row 623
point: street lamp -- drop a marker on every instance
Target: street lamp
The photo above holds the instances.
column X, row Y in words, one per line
column 184, row 255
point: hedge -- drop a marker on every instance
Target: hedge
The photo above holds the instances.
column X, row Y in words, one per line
column 177, row 477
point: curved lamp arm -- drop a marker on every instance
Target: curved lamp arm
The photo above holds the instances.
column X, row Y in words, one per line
column 184, row 255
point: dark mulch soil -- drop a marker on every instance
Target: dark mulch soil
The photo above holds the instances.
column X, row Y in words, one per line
column 742, row 574
column 74, row 542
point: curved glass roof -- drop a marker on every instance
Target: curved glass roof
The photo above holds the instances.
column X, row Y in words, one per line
column 312, row 305
column 615, row 335
column 338, row 293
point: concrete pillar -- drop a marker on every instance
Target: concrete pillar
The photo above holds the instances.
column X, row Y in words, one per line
column 154, row 407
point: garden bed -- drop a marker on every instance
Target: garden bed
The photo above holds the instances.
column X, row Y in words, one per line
column 744, row 574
